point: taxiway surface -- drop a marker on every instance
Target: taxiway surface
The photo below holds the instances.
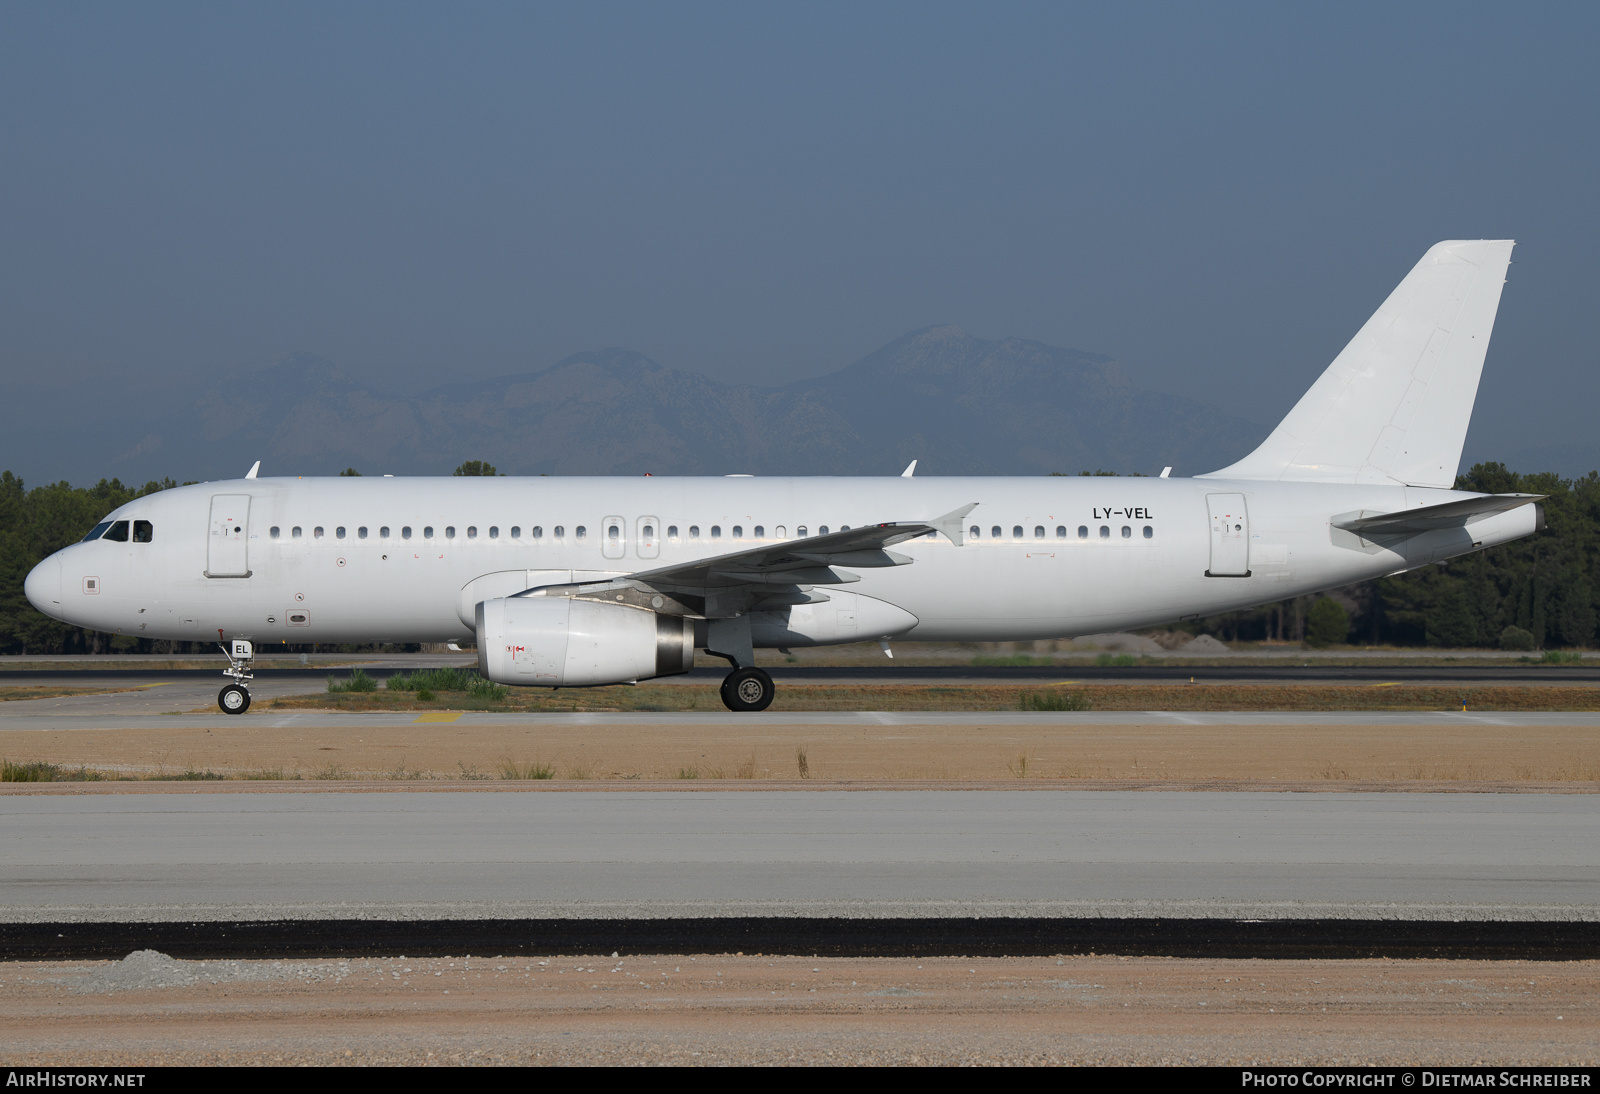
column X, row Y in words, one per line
column 624, row 855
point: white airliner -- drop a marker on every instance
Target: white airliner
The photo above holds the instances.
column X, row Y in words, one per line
column 590, row 581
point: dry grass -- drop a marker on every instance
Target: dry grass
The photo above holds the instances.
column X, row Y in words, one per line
column 980, row 697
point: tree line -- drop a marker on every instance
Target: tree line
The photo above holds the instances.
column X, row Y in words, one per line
column 1537, row 592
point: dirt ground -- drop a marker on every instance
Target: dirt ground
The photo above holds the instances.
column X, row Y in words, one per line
column 1060, row 695
column 738, row 1009
column 718, row 749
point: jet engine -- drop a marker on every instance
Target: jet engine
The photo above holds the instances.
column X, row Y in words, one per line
column 563, row 643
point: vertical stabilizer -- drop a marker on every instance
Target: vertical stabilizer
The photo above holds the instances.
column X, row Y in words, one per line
column 1394, row 405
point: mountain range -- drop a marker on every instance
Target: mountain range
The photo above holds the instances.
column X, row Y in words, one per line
column 959, row 405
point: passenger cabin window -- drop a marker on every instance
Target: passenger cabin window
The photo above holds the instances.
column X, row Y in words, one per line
column 648, row 531
column 1016, row 531
column 613, row 533
column 1105, row 533
column 694, row 531
column 316, row 533
column 1149, row 531
column 143, row 532
column 361, row 533
column 672, row 532
column 338, row 533
column 778, row 532
column 823, row 530
column 384, row 531
column 427, row 531
column 995, row 533
column 295, row 533
column 494, row 533
column 800, row 532
column 1038, row 531
column 274, row 532
column 472, row 531
column 579, row 532
column 536, row 532
column 738, row 531
column 450, row 531
column 560, row 531
column 98, row 530
column 1061, row 531
column 974, row 531
column 716, row 531
column 1083, row 531
column 516, row 531
column 405, row 533
column 759, row 532
column 1127, row 533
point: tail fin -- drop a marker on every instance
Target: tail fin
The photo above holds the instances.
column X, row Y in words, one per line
column 1394, row 405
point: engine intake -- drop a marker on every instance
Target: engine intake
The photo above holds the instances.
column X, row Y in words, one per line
column 561, row 643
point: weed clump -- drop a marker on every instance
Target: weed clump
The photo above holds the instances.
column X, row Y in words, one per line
column 510, row 769
column 35, row 772
column 1116, row 660
column 1056, row 700
column 1562, row 657
column 359, row 682
column 445, row 679
column 39, row 771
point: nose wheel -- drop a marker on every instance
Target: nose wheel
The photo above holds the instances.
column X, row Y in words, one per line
column 748, row 689
column 234, row 699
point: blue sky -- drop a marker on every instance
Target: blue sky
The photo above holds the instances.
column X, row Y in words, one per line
column 1217, row 195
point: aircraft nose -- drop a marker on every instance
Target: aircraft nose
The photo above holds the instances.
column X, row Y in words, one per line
column 43, row 587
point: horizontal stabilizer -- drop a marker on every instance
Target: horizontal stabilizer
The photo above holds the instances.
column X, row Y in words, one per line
column 1452, row 514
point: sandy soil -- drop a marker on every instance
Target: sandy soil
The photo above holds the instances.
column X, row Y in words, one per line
column 724, row 1009
column 719, row 749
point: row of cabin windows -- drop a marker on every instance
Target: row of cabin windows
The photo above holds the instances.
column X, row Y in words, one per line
column 118, row 531
column 536, row 532
column 997, row 532
column 613, row 532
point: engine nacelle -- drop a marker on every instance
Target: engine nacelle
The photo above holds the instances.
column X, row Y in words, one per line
column 557, row 642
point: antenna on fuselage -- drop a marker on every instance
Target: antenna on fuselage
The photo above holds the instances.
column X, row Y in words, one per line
column 250, row 474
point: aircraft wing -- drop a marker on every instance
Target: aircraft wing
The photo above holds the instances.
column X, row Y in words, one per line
column 1452, row 514
column 731, row 583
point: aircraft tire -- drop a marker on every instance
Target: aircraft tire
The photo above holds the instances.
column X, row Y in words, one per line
column 748, row 689
column 234, row 699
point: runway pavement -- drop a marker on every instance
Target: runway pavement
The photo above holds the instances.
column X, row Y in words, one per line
column 400, row 855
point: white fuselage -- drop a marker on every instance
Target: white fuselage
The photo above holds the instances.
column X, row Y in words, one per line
column 407, row 559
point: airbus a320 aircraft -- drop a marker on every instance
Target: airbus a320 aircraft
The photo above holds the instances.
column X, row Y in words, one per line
column 591, row 581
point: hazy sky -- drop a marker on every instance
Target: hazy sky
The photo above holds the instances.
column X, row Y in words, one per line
column 1217, row 195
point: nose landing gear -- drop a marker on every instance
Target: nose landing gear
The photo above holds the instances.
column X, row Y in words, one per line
column 235, row 697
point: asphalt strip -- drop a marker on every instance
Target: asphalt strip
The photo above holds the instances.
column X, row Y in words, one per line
column 1298, row 939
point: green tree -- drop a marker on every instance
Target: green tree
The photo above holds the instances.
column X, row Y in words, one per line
column 475, row 467
column 1327, row 623
column 349, row 473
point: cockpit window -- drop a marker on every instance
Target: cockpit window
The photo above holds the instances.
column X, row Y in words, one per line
column 143, row 531
column 96, row 532
column 117, row 532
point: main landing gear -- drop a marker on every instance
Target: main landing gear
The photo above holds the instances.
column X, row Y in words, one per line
column 235, row 697
column 747, row 689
